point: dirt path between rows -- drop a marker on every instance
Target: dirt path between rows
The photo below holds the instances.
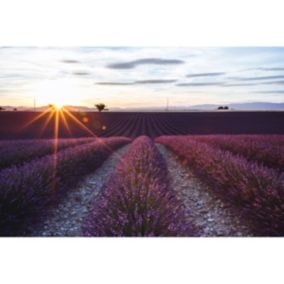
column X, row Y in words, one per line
column 67, row 218
column 211, row 216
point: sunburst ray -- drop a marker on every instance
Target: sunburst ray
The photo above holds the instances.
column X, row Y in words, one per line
column 50, row 116
column 55, row 150
column 37, row 118
column 64, row 120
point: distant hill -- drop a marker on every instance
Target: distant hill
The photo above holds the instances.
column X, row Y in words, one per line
column 253, row 106
column 258, row 106
column 241, row 106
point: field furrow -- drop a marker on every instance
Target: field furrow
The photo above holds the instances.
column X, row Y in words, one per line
column 255, row 190
column 267, row 152
column 66, row 219
column 210, row 215
column 26, row 191
column 137, row 199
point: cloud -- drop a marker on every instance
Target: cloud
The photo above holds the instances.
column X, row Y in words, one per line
column 240, row 84
column 138, row 82
column 81, row 73
column 70, row 61
column 200, row 84
column 159, row 81
column 270, row 92
column 205, row 74
column 145, row 61
column 279, row 82
column 275, row 82
column 254, row 84
column 271, row 68
column 258, row 78
column 114, row 83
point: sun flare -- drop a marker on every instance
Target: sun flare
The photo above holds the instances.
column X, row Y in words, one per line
column 57, row 105
column 58, row 93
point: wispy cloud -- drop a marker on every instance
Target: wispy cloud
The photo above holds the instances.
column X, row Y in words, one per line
column 240, row 84
column 276, row 82
column 145, row 61
column 271, row 68
column 202, row 84
column 270, row 92
column 70, row 61
column 114, row 83
column 254, row 84
column 257, row 78
column 212, row 74
column 159, row 81
column 81, row 73
column 138, row 82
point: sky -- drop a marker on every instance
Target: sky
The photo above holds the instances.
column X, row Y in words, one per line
column 137, row 77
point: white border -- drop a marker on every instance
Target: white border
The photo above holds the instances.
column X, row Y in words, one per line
column 141, row 23
column 140, row 261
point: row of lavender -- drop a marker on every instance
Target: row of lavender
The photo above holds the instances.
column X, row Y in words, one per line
column 27, row 190
column 137, row 199
column 257, row 191
column 18, row 152
column 266, row 150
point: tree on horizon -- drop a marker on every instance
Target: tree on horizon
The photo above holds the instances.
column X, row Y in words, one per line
column 100, row 107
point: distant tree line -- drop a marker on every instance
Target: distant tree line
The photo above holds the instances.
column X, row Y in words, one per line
column 3, row 109
column 223, row 108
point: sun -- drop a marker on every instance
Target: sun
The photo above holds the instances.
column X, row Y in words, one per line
column 58, row 93
column 57, row 104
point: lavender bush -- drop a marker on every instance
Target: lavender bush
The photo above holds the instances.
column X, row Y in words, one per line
column 17, row 152
column 26, row 191
column 266, row 150
column 257, row 191
column 137, row 200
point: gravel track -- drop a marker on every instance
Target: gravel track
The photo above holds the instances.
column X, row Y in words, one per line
column 205, row 211
column 66, row 219
column 209, row 215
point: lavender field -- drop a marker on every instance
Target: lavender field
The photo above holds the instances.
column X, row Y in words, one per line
column 178, row 185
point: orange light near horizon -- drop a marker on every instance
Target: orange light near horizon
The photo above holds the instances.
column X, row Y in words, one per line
column 58, row 105
column 61, row 114
column 58, row 92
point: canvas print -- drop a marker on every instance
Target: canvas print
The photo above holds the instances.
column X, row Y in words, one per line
column 141, row 141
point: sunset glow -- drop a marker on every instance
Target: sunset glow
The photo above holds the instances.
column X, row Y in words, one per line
column 142, row 77
column 56, row 92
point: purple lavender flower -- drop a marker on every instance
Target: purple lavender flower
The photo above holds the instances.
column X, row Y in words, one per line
column 26, row 191
column 17, row 152
column 267, row 150
column 137, row 199
column 257, row 191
